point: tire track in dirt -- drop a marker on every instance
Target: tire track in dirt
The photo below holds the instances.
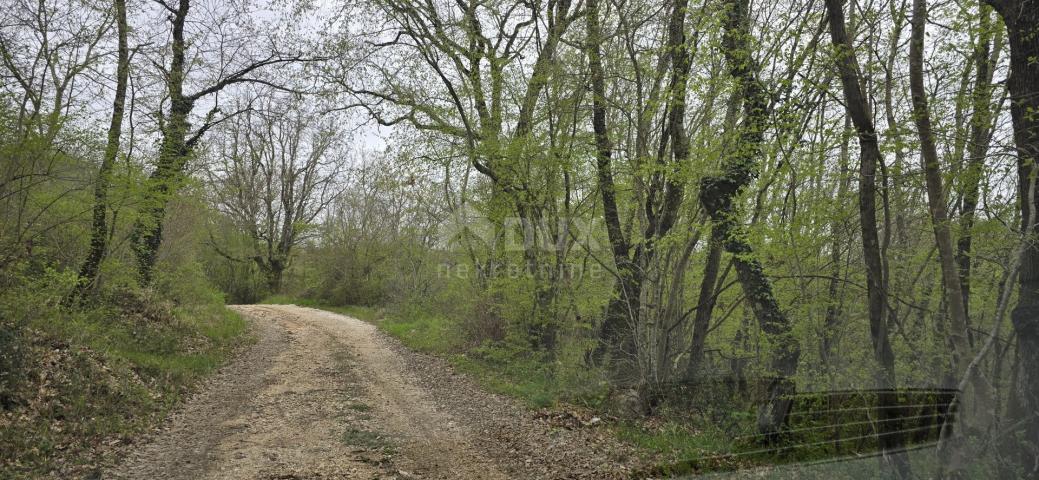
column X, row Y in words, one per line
column 276, row 411
column 322, row 395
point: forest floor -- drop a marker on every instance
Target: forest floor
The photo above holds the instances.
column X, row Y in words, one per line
column 323, row 395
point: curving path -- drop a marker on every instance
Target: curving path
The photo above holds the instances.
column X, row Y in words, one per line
column 322, row 395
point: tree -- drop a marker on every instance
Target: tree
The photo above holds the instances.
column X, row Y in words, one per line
column 48, row 51
column 858, row 109
column 464, row 99
column 99, row 229
column 279, row 168
column 719, row 195
column 936, row 198
column 1021, row 18
column 986, row 56
column 178, row 138
column 662, row 201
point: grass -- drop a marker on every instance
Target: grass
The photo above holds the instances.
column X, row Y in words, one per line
column 100, row 375
column 538, row 383
column 675, row 441
column 358, row 437
column 420, row 331
column 193, row 345
column 360, row 407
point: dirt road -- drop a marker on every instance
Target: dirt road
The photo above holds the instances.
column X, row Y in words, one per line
column 322, row 395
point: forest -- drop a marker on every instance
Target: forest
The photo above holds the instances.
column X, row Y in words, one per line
column 698, row 222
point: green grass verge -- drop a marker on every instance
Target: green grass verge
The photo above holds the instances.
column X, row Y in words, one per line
column 359, row 437
column 671, row 441
column 88, row 378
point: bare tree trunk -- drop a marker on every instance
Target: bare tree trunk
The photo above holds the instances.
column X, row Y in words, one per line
column 709, row 290
column 705, row 305
column 985, row 59
column 275, row 275
column 952, row 290
column 625, row 305
column 857, row 106
column 617, row 335
column 833, row 309
column 99, row 228
column 936, row 193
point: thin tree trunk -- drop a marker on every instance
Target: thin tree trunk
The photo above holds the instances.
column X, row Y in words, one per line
column 705, row 305
column 708, row 294
column 857, row 107
column 833, row 309
column 617, row 334
column 952, row 290
column 985, row 60
column 936, row 193
column 898, row 187
column 99, row 228
column 625, row 305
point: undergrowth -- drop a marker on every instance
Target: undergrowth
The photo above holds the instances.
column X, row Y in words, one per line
column 76, row 381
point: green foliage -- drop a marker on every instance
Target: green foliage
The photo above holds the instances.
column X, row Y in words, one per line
column 514, row 371
column 186, row 284
column 421, row 330
column 677, row 440
column 77, row 377
column 73, row 377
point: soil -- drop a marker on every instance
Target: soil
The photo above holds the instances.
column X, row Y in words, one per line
column 322, row 395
